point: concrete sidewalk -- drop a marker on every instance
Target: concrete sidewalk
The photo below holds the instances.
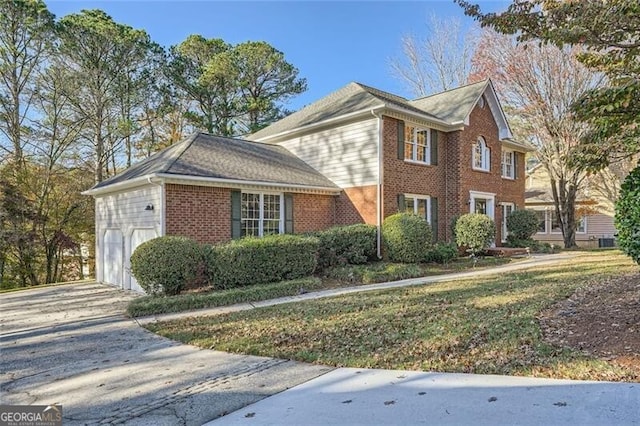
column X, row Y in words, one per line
column 349, row 396
column 531, row 262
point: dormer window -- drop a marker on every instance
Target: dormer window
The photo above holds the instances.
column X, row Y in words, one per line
column 481, row 158
column 417, row 143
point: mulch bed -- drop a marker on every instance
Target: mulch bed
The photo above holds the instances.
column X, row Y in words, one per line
column 602, row 320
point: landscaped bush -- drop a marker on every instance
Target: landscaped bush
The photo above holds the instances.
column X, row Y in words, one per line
column 342, row 245
column 475, row 231
column 406, row 238
column 261, row 260
column 522, row 224
column 167, row 265
column 627, row 219
column 442, row 253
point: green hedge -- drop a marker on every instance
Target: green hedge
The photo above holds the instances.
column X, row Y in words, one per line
column 261, row 260
column 442, row 253
column 522, row 224
column 406, row 238
column 167, row 265
column 350, row 244
column 627, row 217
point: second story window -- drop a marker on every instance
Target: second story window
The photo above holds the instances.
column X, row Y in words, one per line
column 481, row 155
column 417, row 144
column 508, row 164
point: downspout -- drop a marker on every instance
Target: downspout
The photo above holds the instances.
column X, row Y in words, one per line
column 379, row 194
column 163, row 207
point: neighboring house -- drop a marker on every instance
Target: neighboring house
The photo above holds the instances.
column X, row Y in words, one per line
column 594, row 214
column 357, row 155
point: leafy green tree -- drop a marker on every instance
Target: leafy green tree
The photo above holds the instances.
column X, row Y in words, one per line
column 102, row 58
column 628, row 215
column 205, row 74
column 609, row 30
column 266, row 79
column 25, row 31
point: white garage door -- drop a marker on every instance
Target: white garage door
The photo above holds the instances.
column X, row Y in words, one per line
column 138, row 237
column 113, row 257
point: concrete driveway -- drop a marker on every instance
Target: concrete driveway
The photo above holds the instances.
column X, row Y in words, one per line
column 72, row 345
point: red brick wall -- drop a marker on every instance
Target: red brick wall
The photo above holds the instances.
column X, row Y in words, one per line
column 506, row 190
column 313, row 212
column 202, row 213
column 357, row 205
column 452, row 179
column 401, row 177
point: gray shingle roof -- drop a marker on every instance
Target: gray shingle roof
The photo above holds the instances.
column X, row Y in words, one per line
column 209, row 156
column 352, row 98
column 454, row 105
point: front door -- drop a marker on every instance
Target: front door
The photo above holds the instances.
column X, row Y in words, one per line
column 507, row 208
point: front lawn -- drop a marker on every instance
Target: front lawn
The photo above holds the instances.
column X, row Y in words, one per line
column 487, row 325
column 332, row 278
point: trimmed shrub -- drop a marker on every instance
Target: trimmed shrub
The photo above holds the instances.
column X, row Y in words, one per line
column 475, row 231
column 342, row 245
column 512, row 241
column 167, row 265
column 442, row 253
column 522, row 224
column 261, row 260
column 406, row 238
column 627, row 219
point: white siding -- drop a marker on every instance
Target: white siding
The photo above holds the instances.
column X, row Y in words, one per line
column 126, row 212
column 346, row 154
column 600, row 226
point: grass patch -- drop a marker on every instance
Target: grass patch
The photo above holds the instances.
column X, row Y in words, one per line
column 486, row 325
column 16, row 288
column 149, row 305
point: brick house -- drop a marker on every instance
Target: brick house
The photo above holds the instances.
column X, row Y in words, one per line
column 357, row 155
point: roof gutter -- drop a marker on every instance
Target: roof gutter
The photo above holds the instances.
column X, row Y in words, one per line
column 237, row 183
column 353, row 115
column 156, row 178
column 142, row 180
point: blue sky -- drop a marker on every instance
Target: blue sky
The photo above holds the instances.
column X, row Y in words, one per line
column 331, row 42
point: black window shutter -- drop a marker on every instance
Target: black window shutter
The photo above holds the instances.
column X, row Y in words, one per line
column 515, row 165
column 400, row 140
column 434, row 218
column 401, row 205
column 288, row 213
column 236, row 214
column 434, row 147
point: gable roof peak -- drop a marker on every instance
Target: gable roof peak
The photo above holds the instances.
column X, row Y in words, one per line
column 467, row 86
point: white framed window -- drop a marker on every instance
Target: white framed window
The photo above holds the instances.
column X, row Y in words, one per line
column 582, row 225
column 542, row 221
column 482, row 202
column 508, row 164
column 261, row 214
column 417, row 144
column 419, row 205
column 481, row 155
column 507, row 209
